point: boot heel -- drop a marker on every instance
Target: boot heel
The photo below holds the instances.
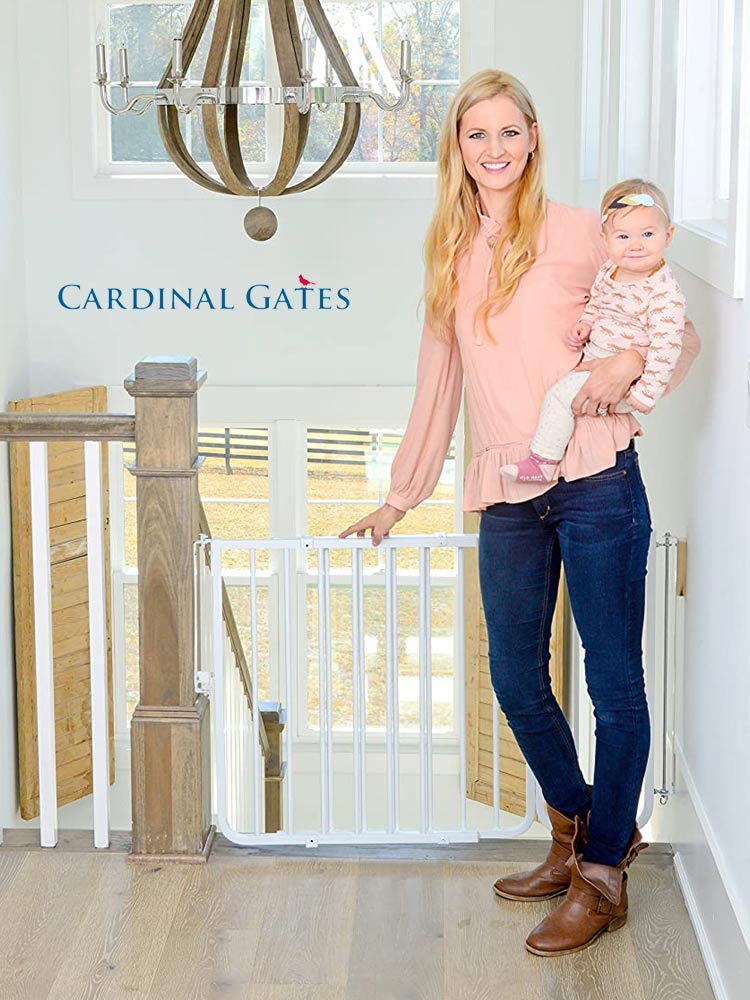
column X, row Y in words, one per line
column 617, row 922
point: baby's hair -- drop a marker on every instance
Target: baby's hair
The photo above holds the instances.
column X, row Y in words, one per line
column 628, row 191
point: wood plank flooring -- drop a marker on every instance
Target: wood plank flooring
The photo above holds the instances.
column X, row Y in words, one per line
column 363, row 924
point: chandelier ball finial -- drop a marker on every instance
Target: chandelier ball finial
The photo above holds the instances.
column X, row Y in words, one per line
column 261, row 223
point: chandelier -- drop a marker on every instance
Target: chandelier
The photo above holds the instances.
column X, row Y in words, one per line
column 173, row 98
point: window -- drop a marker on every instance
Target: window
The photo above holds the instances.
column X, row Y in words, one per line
column 674, row 97
column 711, row 164
column 148, row 29
column 345, row 472
column 370, row 34
column 704, row 121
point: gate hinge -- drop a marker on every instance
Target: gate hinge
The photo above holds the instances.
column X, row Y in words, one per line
column 203, row 681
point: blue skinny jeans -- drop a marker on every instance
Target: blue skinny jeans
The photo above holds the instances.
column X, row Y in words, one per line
column 599, row 527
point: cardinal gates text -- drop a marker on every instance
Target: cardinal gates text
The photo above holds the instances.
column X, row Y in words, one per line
column 312, row 296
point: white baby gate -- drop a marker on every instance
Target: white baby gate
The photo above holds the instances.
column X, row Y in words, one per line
column 237, row 780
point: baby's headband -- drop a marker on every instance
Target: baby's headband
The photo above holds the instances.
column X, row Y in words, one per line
column 630, row 200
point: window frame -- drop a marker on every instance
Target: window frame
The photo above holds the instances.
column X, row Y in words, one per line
column 716, row 249
column 283, row 409
column 165, row 182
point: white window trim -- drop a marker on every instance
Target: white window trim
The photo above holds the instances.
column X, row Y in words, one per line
column 715, row 250
column 286, row 410
column 165, row 182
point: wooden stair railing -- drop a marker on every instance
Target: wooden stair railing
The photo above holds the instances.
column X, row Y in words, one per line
column 67, row 427
column 170, row 736
column 271, row 717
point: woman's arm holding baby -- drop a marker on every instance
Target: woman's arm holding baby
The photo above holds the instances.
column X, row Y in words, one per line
column 611, row 378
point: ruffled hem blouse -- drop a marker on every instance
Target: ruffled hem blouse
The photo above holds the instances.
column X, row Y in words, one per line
column 506, row 380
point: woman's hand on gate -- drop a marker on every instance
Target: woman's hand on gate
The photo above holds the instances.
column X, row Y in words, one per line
column 608, row 382
column 380, row 522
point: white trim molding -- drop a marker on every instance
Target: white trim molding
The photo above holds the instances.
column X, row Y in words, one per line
column 660, row 115
column 720, row 918
column 711, row 242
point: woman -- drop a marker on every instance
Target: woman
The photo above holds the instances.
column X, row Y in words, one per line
column 507, row 275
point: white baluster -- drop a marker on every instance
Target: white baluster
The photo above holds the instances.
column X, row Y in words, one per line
column 98, row 642
column 45, row 694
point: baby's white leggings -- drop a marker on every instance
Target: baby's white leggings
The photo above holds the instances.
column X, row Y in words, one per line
column 556, row 419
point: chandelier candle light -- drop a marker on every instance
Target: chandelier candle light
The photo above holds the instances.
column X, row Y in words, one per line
column 174, row 98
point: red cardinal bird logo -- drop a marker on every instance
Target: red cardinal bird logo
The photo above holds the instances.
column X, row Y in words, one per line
column 304, row 282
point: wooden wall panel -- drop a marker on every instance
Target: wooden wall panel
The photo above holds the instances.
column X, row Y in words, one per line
column 70, row 639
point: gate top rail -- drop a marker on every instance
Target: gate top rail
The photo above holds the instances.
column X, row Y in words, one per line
column 433, row 541
column 67, row 427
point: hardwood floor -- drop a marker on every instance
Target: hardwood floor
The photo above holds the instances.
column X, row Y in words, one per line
column 343, row 924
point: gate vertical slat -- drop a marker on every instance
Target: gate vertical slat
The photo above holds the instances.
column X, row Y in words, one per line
column 257, row 764
column 391, row 691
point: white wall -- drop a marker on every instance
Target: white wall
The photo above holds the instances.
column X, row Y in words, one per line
column 370, row 244
column 707, row 823
column 13, row 384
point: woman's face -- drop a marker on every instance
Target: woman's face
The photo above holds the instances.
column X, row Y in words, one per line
column 495, row 143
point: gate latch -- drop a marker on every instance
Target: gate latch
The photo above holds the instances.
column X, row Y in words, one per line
column 203, row 681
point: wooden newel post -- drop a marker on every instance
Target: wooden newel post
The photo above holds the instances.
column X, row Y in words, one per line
column 170, row 752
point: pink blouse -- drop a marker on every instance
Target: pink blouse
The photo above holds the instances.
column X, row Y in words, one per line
column 506, row 381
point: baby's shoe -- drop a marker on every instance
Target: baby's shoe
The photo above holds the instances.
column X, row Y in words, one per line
column 533, row 469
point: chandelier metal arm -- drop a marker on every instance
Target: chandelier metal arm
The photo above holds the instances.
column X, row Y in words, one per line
column 131, row 106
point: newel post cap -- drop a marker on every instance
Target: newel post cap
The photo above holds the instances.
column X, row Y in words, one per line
column 165, row 375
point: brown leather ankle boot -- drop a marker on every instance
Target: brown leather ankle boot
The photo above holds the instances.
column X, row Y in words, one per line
column 597, row 901
column 552, row 877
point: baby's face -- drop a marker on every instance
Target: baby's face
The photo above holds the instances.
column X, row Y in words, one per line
column 636, row 237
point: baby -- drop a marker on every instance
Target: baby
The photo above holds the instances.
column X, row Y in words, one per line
column 635, row 302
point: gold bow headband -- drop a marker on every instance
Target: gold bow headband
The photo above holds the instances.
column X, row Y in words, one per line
column 630, row 201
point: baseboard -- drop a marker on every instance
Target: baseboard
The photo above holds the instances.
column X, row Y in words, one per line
column 704, row 943
column 718, row 916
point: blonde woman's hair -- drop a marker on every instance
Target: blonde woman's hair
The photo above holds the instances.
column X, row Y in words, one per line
column 455, row 222
column 634, row 185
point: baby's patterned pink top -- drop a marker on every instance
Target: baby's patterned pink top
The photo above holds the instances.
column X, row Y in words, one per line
column 648, row 315
column 506, row 381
